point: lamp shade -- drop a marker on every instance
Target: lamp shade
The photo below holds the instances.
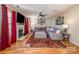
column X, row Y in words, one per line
column 65, row 26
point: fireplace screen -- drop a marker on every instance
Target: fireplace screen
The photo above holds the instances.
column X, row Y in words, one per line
column 20, row 33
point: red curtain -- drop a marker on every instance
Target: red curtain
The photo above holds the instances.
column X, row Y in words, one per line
column 26, row 26
column 13, row 30
column 5, row 41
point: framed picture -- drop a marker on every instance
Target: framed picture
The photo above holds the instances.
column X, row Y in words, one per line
column 41, row 20
column 60, row 20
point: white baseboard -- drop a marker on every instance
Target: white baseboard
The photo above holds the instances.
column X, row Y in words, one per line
column 74, row 43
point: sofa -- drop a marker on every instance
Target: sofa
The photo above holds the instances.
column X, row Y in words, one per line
column 54, row 33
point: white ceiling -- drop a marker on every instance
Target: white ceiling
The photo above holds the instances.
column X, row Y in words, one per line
column 50, row 9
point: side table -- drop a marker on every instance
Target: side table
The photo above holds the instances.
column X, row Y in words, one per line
column 66, row 37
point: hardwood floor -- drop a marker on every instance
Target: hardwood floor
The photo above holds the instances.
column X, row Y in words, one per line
column 19, row 48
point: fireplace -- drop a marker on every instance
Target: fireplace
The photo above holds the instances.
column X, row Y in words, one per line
column 20, row 33
column 20, row 30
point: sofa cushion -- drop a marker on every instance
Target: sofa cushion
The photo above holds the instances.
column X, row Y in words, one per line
column 58, row 31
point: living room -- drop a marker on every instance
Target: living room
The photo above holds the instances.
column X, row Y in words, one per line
column 39, row 27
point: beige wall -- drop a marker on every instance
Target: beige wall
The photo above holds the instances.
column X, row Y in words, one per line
column 50, row 22
column 71, row 17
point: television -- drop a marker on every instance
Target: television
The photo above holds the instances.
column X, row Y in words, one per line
column 20, row 18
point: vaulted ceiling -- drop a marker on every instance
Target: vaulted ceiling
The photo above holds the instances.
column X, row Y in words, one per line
column 49, row 9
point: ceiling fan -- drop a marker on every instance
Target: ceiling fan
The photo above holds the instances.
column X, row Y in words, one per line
column 42, row 14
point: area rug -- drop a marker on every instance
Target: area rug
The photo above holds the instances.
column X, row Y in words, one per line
column 39, row 43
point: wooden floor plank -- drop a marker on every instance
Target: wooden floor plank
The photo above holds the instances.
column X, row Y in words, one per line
column 18, row 48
